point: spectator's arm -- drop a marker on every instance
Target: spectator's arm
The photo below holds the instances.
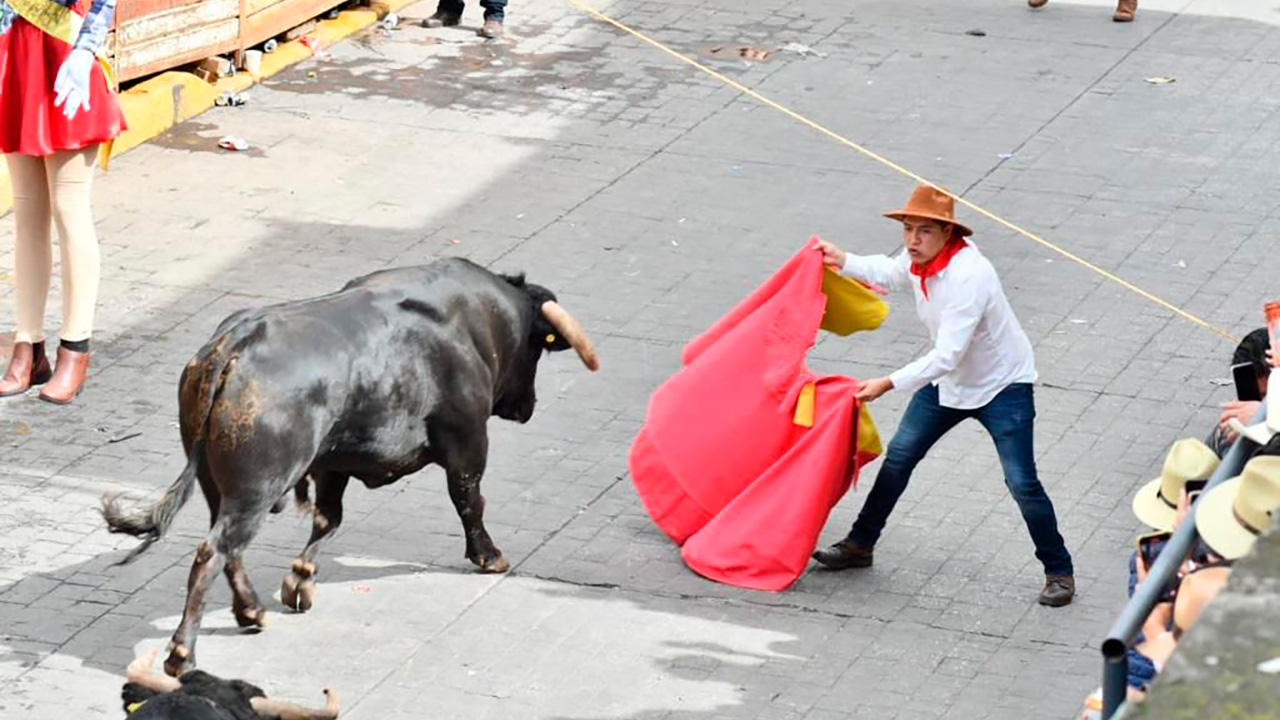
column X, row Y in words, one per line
column 1158, row 621
column 1242, row 410
column 1195, row 592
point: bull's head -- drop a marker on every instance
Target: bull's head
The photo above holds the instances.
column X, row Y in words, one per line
column 553, row 329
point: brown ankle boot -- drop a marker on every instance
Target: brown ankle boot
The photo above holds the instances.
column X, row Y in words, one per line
column 28, row 366
column 68, row 377
column 1125, row 11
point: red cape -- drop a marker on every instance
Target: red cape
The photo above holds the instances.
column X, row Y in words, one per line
column 722, row 465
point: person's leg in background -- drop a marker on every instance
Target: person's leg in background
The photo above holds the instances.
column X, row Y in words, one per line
column 448, row 14
column 33, row 263
column 1126, row 10
column 495, row 12
column 70, row 178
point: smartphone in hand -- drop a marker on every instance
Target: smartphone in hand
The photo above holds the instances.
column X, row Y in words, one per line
column 1149, row 547
column 1246, row 382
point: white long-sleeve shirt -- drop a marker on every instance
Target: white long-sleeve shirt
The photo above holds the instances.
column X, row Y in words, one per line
column 979, row 348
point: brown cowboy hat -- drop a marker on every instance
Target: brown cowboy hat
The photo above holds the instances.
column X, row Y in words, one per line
column 932, row 204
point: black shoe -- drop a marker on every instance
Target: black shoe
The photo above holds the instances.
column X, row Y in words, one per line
column 1058, row 590
column 442, row 19
column 844, row 555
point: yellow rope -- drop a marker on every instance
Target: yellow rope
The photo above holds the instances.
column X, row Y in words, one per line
column 889, row 163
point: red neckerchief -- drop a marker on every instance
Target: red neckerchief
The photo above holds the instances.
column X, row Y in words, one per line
column 938, row 263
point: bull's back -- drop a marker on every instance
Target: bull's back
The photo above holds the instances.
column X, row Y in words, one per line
column 351, row 378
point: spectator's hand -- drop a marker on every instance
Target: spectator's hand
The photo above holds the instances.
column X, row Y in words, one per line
column 1184, row 506
column 832, row 255
column 1271, row 358
column 872, row 389
column 1242, row 410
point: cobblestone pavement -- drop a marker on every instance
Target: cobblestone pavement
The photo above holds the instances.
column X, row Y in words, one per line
column 651, row 198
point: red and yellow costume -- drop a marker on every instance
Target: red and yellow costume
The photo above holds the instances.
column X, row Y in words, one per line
column 30, row 57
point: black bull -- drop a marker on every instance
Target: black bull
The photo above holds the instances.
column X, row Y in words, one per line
column 398, row 370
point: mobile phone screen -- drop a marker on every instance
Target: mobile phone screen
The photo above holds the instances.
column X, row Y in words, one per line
column 1149, row 548
column 1195, row 486
column 1246, row 382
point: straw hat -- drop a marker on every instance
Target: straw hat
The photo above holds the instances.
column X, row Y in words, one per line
column 933, row 204
column 1231, row 516
column 1156, row 504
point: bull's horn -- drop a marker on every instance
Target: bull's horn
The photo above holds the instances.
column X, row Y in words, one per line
column 139, row 672
column 569, row 328
column 279, row 710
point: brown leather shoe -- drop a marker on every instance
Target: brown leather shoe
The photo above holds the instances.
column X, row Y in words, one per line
column 491, row 29
column 1036, row 3
column 68, row 377
column 844, row 555
column 1125, row 11
column 28, row 366
column 1058, row 590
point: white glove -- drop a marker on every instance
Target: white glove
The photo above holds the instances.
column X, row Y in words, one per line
column 72, row 84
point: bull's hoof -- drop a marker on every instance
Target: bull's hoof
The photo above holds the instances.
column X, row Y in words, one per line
column 297, row 594
column 179, row 660
column 289, row 591
column 495, row 565
column 306, row 595
column 251, row 617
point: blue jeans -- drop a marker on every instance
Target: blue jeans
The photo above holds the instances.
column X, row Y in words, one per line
column 1009, row 419
column 493, row 9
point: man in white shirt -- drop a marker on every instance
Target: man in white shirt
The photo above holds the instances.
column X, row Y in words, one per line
column 981, row 366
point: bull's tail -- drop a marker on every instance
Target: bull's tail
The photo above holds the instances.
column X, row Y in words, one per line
column 152, row 523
